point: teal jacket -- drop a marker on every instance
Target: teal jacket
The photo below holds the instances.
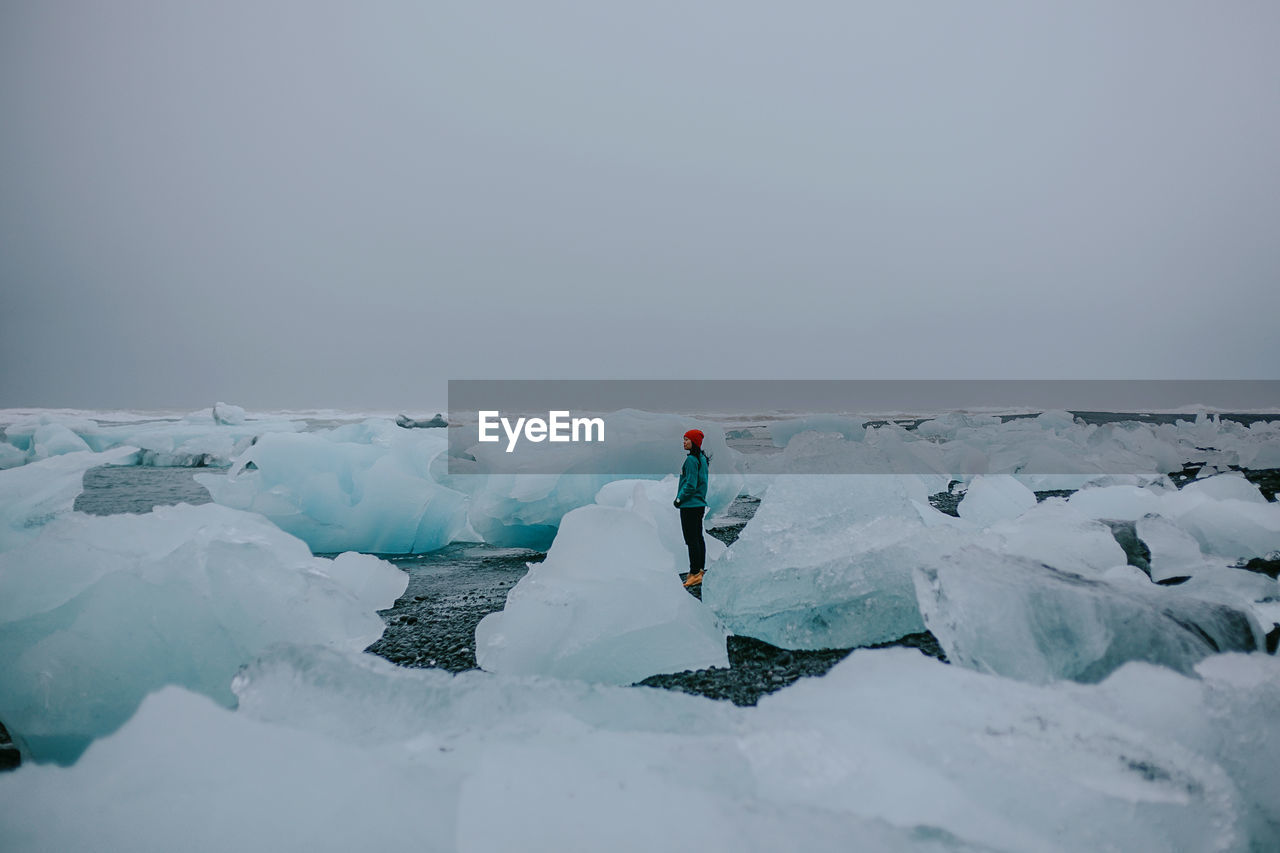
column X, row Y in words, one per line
column 692, row 491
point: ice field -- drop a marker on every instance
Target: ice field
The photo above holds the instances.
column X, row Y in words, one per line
column 193, row 677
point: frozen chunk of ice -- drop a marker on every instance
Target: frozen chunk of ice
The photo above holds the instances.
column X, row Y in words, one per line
column 10, row 456
column 652, row 499
column 1226, row 486
column 1174, row 552
column 781, row 432
column 98, row 611
column 363, row 487
column 994, row 763
column 35, row 494
column 606, row 605
column 1233, row 528
column 1124, row 503
column 185, row 774
column 993, row 498
column 1224, row 715
column 224, row 413
column 1057, row 420
column 1055, row 534
column 1015, row 617
column 826, row 562
column 54, row 439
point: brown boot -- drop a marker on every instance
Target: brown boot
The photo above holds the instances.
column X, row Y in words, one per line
column 694, row 579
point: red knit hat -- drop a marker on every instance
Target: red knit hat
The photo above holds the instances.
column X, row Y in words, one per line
column 696, row 436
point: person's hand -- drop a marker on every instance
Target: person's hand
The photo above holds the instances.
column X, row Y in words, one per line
column 676, row 503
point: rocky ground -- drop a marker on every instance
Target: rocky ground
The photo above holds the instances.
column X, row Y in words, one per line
column 434, row 623
column 9, row 755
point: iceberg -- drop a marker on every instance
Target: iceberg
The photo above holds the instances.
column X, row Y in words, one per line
column 1019, row 618
column 97, row 611
column 54, row 439
column 1225, row 487
column 1225, row 714
column 224, row 413
column 187, row 774
column 35, row 494
column 1054, row 533
column 403, row 420
column 1174, row 552
column 997, row 764
column 11, row 457
column 1232, row 528
column 607, row 604
column 1120, row 503
column 994, row 498
column 362, row 487
column 826, row 562
column 781, row 432
column 651, row 498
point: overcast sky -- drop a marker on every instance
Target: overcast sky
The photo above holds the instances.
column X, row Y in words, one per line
column 316, row 204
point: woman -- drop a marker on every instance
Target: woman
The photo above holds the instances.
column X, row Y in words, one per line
column 691, row 500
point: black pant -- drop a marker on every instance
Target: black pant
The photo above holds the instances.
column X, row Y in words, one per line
column 691, row 525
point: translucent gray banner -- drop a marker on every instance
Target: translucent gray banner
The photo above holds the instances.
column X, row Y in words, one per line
column 949, row 427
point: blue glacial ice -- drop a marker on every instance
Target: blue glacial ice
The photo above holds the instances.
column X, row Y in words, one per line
column 607, row 604
column 1023, row 619
column 97, row 611
column 826, row 561
column 360, row 487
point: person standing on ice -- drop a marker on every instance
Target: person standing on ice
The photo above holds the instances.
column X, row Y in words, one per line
column 691, row 500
